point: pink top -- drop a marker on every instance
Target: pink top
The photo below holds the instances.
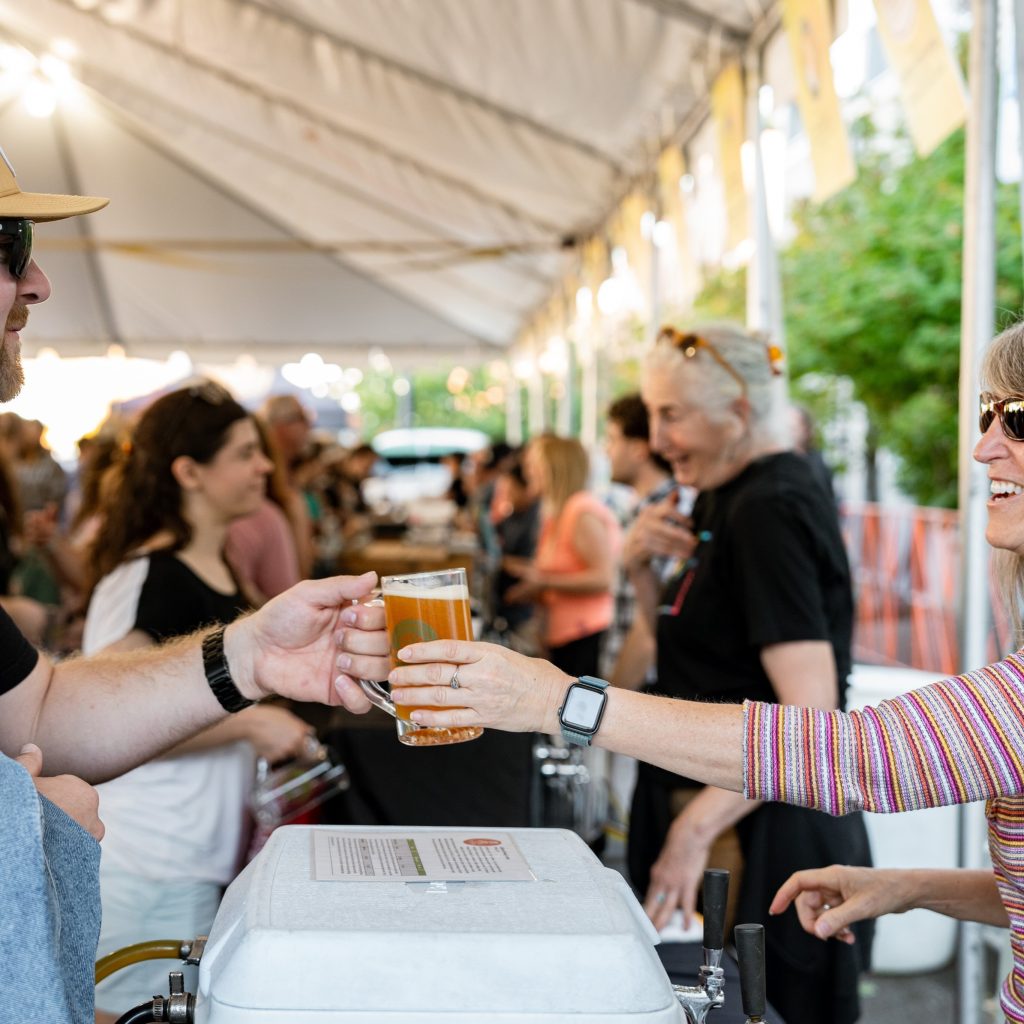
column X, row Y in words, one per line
column 574, row 616
column 261, row 549
column 952, row 742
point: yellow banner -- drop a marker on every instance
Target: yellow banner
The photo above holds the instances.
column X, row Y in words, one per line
column 930, row 82
column 727, row 105
column 626, row 231
column 594, row 266
column 809, row 27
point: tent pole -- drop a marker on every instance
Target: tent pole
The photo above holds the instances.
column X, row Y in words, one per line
column 976, row 326
column 535, row 397
column 764, row 289
column 513, row 411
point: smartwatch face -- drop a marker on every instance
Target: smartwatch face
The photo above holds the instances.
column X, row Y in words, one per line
column 583, row 708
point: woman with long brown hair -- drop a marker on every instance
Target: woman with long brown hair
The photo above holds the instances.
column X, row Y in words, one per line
column 175, row 825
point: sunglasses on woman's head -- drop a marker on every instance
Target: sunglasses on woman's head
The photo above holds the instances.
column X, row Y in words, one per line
column 1010, row 412
column 690, row 344
column 16, row 244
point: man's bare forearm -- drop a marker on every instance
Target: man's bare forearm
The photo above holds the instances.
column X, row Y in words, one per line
column 98, row 717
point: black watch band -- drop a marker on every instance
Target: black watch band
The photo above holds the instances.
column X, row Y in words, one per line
column 218, row 675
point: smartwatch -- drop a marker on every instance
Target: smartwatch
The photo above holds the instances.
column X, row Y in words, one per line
column 580, row 713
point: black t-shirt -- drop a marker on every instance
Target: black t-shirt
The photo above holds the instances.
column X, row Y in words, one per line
column 17, row 656
column 769, row 568
column 174, row 601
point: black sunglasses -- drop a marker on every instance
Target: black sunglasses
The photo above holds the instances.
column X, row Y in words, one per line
column 1010, row 412
column 16, row 243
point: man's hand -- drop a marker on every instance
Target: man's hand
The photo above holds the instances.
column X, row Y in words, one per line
column 74, row 797
column 290, row 646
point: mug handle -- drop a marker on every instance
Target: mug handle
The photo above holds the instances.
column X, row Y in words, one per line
column 378, row 696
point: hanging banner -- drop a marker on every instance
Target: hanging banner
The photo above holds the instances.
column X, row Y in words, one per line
column 678, row 275
column 727, row 110
column 809, row 27
column 930, row 83
column 594, row 264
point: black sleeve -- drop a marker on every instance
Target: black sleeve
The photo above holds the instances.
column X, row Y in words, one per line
column 17, row 656
column 165, row 609
column 778, row 575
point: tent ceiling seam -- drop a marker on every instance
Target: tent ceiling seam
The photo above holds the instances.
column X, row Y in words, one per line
column 457, row 92
column 698, row 18
column 84, row 229
column 300, row 109
column 139, row 131
column 359, row 195
column 151, row 139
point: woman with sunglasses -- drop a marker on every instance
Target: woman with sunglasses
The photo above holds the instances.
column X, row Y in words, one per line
column 956, row 741
column 174, row 827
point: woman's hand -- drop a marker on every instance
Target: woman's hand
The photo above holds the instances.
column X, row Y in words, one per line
column 677, row 874
column 829, row 900
column 658, row 530
column 497, row 687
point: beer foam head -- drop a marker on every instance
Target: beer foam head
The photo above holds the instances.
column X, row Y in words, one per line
column 402, row 588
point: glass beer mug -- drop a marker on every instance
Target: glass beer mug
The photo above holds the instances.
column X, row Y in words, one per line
column 419, row 607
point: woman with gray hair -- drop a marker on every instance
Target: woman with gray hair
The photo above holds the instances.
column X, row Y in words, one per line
column 760, row 608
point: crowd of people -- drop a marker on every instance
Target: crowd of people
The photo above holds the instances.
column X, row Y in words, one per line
column 719, row 607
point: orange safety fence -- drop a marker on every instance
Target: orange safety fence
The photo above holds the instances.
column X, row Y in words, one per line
column 905, row 562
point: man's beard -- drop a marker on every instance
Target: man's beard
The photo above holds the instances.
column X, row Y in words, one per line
column 12, row 376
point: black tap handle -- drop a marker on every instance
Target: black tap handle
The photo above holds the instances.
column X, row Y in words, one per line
column 716, row 892
column 750, row 954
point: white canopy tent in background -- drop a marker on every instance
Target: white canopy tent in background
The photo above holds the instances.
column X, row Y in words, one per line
column 295, row 175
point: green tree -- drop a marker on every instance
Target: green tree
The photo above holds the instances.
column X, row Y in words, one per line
column 872, row 287
column 477, row 404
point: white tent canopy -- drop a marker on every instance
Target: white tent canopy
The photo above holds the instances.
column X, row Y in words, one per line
column 296, row 175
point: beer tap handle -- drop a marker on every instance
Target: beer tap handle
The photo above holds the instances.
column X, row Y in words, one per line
column 716, row 892
column 750, row 954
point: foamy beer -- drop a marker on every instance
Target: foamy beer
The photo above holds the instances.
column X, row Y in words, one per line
column 420, row 607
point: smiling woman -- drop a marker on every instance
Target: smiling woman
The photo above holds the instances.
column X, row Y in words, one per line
column 194, row 464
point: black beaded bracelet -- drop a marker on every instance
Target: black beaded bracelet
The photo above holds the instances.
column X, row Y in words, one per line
column 218, row 675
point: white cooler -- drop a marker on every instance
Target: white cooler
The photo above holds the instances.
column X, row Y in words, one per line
column 572, row 945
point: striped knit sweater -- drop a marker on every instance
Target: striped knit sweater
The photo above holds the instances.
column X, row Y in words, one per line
column 952, row 742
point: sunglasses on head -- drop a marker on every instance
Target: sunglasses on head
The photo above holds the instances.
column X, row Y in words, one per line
column 690, row 344
column 16, row 244
column 1010, row 412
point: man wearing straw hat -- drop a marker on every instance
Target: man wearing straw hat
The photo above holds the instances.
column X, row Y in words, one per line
column 94, row 718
